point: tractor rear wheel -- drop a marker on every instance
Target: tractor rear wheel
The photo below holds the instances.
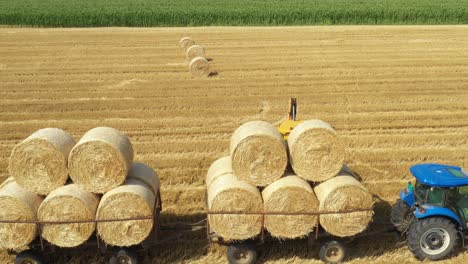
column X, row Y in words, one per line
column 432, row 238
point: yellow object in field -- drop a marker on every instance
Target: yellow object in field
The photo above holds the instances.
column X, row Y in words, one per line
column 286, row 126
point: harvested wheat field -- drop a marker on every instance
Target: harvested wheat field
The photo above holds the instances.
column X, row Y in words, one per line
column 396, row 95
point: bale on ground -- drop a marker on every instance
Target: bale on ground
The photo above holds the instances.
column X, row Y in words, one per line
column 68, row 203
column 344, row 193
column 290, row 194
column 315, row 152
column 145, row 174
column 101, row 159
column 199, row 67
column 17, row 203
column 185, row 43
column 39, row 163
column 229, row 194
column 132, row 200
column 258, row 153
column 220, row 167
column 195, row 51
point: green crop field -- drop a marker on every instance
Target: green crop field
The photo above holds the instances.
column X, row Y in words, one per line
column 90, row 13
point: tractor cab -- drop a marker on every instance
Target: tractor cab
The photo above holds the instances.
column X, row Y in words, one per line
column 434, row 212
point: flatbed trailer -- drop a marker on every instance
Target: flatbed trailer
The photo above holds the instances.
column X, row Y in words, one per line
column 122, row 255
column 332, row 249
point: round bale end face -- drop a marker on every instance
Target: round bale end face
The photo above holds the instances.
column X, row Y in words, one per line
column 185, row 43
column 195, row 51
column 17, row 203
column 101, row 159
column 290, row 194
column 228, row 194
column 344, row 193
column 199, row 67
column 132, row 200
column 315, row 151
column 68, row 203
column 258, row 153
column 39, row 163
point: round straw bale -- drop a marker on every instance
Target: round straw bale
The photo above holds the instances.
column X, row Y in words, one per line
column 199, row 67
column 39, row 163
column 68, row 203
column 220, row 167
column 185, row 43
column 145, row 174
column 315, row 152
column 131, row 200
column 258, row 153
column 290, row 194
column 101, row 159
column 17, row 203
column 229, row 194
column 340, row 194
column 195, row 51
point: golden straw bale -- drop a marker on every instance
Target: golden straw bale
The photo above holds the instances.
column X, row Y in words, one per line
column 258, row 153
column 39, row 163
column 195, row 51
column 101, row 159
column 229, row 194
column 132, row 200
column 185, row 43
column 343, row 193
column 68, row 203
column 17, row 203
column 220, row 167
column 290, row 194
column 315, row 152
column 146, row 174
column 199, row 67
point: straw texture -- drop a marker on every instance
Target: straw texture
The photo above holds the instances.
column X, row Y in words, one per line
column 228, row 194
column 315, row 152
column 185, row 43
column 290, row 194
column 258, row 153
column 145, row 174
column 199, row 67
column 39, row 163
column 101, row 159
column 133, row 199
column 68, row 203
column 17, row 203
column 341, row 193
column 195, row 51
column 220, row 167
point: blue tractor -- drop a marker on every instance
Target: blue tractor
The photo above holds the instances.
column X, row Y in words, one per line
column 434, row 212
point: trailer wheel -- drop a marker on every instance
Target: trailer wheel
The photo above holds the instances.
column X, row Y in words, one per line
column 332, row 252
column 124, row 256
column 244, row 253
column 27, row 257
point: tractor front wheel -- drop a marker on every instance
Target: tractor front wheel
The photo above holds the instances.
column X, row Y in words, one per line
column 432, row 238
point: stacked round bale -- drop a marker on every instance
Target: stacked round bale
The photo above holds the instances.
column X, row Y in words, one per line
column 198, row 65
column 317, row 155
column 136, row 198
column 101, row 162
column 17, row 204
column 39, row 163
column 291, row 200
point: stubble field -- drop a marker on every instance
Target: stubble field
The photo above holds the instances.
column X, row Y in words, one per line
column 398, row 95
